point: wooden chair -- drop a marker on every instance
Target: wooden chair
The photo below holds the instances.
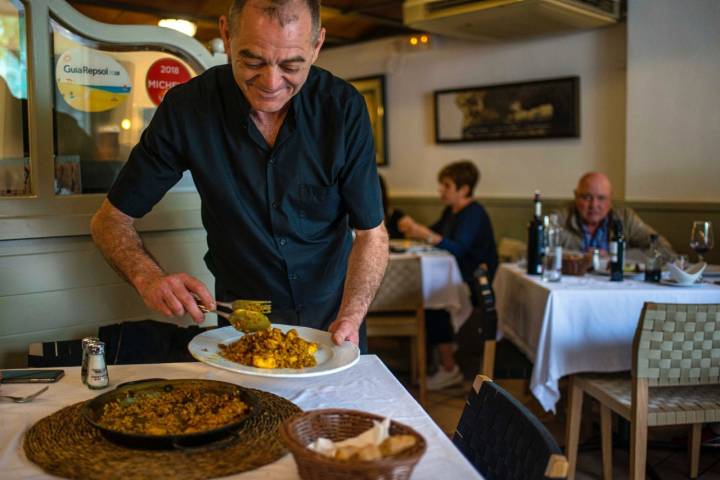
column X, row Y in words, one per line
column 511, row 249
column 398, row 311
column 503, row 439
column 675, row 380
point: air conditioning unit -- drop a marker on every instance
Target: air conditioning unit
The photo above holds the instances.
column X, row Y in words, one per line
column 503, row 19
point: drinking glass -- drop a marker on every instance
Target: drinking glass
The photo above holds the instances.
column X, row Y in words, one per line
column 681, row 261
column 701, row 238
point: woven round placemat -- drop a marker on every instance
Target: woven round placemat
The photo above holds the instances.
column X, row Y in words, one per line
column 66, row 445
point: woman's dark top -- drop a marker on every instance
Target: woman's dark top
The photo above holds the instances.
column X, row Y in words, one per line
column 468, row 235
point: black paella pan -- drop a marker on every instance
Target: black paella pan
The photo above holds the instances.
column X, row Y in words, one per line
column 132, row 392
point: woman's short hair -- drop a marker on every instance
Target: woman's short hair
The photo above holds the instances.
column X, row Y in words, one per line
column 461, row 173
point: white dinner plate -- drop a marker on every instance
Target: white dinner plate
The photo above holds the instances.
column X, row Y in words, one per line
column 673, row 283
column 410, row 246
column 330, row 358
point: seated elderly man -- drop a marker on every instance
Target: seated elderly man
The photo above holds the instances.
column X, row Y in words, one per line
column 586, row 226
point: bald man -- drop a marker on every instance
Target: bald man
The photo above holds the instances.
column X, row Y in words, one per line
column 586, row 222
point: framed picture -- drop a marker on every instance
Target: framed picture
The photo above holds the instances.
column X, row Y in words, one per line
column 512, row 111
column 373, row 90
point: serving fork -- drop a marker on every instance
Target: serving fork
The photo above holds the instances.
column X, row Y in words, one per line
column 27, row 398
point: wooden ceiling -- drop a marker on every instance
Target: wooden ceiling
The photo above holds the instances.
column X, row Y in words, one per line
column 346, row 21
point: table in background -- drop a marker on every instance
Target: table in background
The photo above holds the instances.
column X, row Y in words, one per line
column 443, row 286
column 580, row 324
column 367, row 386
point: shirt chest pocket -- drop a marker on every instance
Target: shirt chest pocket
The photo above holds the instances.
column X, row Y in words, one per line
column 318, row 206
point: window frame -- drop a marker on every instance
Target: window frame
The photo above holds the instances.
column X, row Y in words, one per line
column 43, row 213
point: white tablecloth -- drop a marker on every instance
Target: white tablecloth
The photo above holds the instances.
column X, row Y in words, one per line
column 581, row 324
column 367, row 386
column 443, row 286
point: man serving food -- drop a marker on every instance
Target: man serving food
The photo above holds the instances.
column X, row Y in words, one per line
column 282, row 156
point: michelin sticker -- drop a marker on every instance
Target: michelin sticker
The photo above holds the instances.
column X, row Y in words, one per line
column 91, row 81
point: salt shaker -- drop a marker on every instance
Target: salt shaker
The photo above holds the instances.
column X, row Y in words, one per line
column 84, row 366
column 97, row 373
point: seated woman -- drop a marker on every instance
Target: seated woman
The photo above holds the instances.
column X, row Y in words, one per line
column 464, row 229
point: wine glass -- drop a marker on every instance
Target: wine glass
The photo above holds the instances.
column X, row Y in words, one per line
column 701, row 238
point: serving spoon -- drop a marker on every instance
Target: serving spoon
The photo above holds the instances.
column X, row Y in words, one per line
column 246, row 321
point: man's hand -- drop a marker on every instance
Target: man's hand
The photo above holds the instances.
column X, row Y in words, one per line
column 173, row 295
column 115, row 235
column 342, row 330
column 366, row 267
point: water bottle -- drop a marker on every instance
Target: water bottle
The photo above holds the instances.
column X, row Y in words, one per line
column 653, row 261
column 552, row 270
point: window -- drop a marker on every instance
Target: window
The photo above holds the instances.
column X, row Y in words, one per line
column 14, row 154
column 105, row 96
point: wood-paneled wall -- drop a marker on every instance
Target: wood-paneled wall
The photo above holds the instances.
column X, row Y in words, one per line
column 62, row 288
column 510, row 217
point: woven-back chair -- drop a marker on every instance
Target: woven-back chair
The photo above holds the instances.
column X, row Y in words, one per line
column 503, row 439
column 675, row 380
column 397, row 311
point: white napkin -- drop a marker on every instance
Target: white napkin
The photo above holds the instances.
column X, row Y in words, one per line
column 688, row 276
column 376, row 435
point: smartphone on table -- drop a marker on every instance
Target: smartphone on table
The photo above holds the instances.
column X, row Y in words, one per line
column 31, row 376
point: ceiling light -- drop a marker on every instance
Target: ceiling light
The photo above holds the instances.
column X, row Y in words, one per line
column 183, row 26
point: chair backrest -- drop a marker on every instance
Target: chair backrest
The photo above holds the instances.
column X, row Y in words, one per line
column 486, row 301
column 63, row 353
column 677, row 344
column 503, row 439
column 401, row 287
column 511, row 249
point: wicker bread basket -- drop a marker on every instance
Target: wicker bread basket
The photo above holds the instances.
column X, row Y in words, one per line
column 575, row 264
column 338, row 424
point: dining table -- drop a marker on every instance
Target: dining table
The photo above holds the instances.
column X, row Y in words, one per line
column 368, row 386
column 579, row 324
column 442, row 283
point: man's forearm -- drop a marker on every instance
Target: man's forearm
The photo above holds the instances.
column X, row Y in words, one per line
column 114, row 234
column 366, row 268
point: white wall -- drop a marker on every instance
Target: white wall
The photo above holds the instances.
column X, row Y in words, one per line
column 673, row 108
column 509, row 168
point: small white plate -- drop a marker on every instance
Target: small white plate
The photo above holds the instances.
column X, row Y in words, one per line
column 330, row 358
column 673, row 283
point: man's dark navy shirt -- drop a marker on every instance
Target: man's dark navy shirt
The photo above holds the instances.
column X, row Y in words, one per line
column 468, row 235
column 278, row 219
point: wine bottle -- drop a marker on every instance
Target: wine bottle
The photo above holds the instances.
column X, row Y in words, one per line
column 617, row 251
column 536, row 237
